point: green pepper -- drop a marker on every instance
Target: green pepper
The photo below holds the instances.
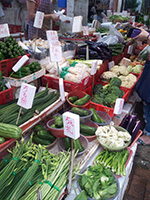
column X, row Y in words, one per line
column 83, row 100
column 1, row 56
column 59, row 121
column 81, row 196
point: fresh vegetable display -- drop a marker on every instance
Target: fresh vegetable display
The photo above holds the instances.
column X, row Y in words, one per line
column 87, row 130
column 10, row 131
column 80, row 112
column 116, row 48
column 115, row 161
column 43, row 99
column 42, row 136
column 96, row 51
column 27, row 70
column 95, row 117
column 82, row 101
column 10, row 48
column 102, row 30
column 118, row 17
column 30, row 166
column 113, row 137
column 98, row 182
column 107, row 94
column 77, row 145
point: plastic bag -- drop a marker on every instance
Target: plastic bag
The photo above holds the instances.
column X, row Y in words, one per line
column 114, row 37
column 144, row 54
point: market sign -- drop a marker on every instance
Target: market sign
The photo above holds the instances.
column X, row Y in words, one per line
column 85, row 30
column 20, row 63
column 4, row 30
column 71, row 124
column 38, row 21
column 118, row 106
column 61, row 89
column 77, row 24
column 54, row 46
column 26, row 95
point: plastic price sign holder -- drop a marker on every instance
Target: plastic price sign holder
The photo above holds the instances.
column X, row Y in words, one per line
column 77, row 24
column 4, row 30
column 26, row 97
column 125, row 61
column 111, row 64
column 93, row 71
column 130, row 49
column 54, row 47
column 71, row 124
column 19, row 64
column 62, row 92
column 118, row 106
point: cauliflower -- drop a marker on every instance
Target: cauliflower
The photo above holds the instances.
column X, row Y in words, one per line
column 120, row 70
column 128, row 81
column 106, row 76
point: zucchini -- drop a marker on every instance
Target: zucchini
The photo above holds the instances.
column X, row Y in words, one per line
column 59, row 121
column 22, row 119
column 67, row 143
column 82, row 100
column 38, row 127
column 10, row 131
column 87, row 129
column 38, row 140
column 95, row 117
column 78, row 145
column 41, row 94
column 79, row 111
column 9, row 118
column 43, row 134
column 2, row 140
column 73, row 98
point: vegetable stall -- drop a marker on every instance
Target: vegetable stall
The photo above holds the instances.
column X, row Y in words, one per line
column 36, row 154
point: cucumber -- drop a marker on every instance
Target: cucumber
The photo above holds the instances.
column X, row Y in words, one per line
column 10, row 131
column 82, row 100
column 43, row 134
column 38, row 127
column 73, row 98
column 87, row 129
column 95, row 117
column 79, row 111
column 2, row 140
column 41, row 141
column 67, row 143
column 78, row 145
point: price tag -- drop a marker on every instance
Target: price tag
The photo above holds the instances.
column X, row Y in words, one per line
column 130, row 49
column 4, row 30
column 61, row 89
column 125, row 61
column 85, row 30
column 118, row 106
column 124, row 13
column 77, row 24
column 94, row 67
column 20, row 63
column 111, row 64
column 38, row 21
column 26, row 95
column 71, row 124
column 54, row 46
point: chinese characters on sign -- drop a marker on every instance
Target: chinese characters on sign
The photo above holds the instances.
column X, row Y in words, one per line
column 26, row 95
column 69, row 126
column 85, row 30
column 55, row 48
column 4, row 30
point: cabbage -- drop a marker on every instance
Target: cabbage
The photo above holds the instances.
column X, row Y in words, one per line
column 130, row 68
column 137, row 69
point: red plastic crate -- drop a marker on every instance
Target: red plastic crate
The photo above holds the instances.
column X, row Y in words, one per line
column 6, row 95
column 118, row 58
column 103, row 68
column 68, row 85
column 7, row 64
column 14, row 28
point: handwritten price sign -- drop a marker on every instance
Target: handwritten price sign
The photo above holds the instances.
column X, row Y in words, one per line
column 4, row 31
column 85, row 30
column 54, row 46
column 26, row 96
column 118, row 106
column 38, row 21
column 71, row 123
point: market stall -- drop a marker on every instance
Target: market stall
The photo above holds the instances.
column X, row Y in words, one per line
column 66, row 107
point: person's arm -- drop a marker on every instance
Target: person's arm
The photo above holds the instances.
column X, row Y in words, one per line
column 144, row 35
column 31, row 11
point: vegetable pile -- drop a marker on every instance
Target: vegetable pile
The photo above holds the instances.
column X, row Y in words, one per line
column 30, row 167
column 110, row 137
column 10, row 49
column 118, row 17
column 116, row 48
column 96, row 51
column 115, row 161
column 9, row 112
column 79, row 101
column 27, row 70
column 98, row 182
column 107, row 94
column 77, row 145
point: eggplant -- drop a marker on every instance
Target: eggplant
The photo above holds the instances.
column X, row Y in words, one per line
column 131, row 123
column 135, row 130
column 125, row 121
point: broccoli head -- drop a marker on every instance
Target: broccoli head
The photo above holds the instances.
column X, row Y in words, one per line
column 97, row 88
column 116, row 91
column 110, row 100
column 115, row 81
column 98, row 100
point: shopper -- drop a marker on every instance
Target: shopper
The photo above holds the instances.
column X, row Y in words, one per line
column 43, row 6
column 143, row 85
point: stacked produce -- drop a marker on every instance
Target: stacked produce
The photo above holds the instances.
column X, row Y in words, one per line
column 9, row 112
column 116, row 48
column 26, row 70
column 96, row 51
column 10, row 49
column 107, row 94
column 30, row 167
column 116, row 18
column 102, row 30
